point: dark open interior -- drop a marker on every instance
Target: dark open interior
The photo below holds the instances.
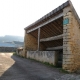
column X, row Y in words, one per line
column 51, row 37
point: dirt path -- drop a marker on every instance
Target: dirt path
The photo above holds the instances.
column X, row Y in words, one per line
column 17, row 68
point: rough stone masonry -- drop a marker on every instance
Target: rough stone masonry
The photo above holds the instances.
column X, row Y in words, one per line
column 58, row 30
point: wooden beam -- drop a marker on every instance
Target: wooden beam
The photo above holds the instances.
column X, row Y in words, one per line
column 52, row 38
column 38, row 39
column 55, row 48
column 47, row 22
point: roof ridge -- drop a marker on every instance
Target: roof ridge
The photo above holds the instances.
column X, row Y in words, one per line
column 50, row 13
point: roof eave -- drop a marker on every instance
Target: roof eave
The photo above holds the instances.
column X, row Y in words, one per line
column 49, row 14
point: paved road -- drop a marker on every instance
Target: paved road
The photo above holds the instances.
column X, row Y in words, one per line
column 17, row 68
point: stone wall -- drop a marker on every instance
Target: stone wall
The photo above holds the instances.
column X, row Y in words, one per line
column 43, row 56
column 7, row 49
column 71, row 42
column 19, row 52
column 31, row 43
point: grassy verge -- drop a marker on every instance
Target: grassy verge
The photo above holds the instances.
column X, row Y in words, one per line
column 46, row 63
column 64, row 71
column 51, row 65
column 14, row 53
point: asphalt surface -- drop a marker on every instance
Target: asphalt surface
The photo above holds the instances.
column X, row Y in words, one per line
column 13, row 67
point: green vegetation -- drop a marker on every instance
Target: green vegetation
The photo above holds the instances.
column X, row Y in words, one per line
column 64, row 71
column 14, row 53
column 46, row 63
column 51, row 65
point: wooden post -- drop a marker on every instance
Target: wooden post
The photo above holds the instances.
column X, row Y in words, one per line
column 38, row 39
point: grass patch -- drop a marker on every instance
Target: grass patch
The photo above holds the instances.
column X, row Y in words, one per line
column 51, row 65
column 14, row 53
column 64, row 71
column 46, row 63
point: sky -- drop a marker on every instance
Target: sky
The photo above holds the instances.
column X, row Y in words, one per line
column 15, row 15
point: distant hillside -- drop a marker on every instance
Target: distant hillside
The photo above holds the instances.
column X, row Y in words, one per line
column 9, row 38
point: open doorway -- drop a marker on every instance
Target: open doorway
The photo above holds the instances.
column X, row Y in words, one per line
column 59, row 58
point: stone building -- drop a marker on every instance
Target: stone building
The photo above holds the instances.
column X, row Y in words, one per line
column 55, row 38
column 19, row 51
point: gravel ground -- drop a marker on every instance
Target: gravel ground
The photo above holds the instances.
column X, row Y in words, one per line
column 16, row 68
